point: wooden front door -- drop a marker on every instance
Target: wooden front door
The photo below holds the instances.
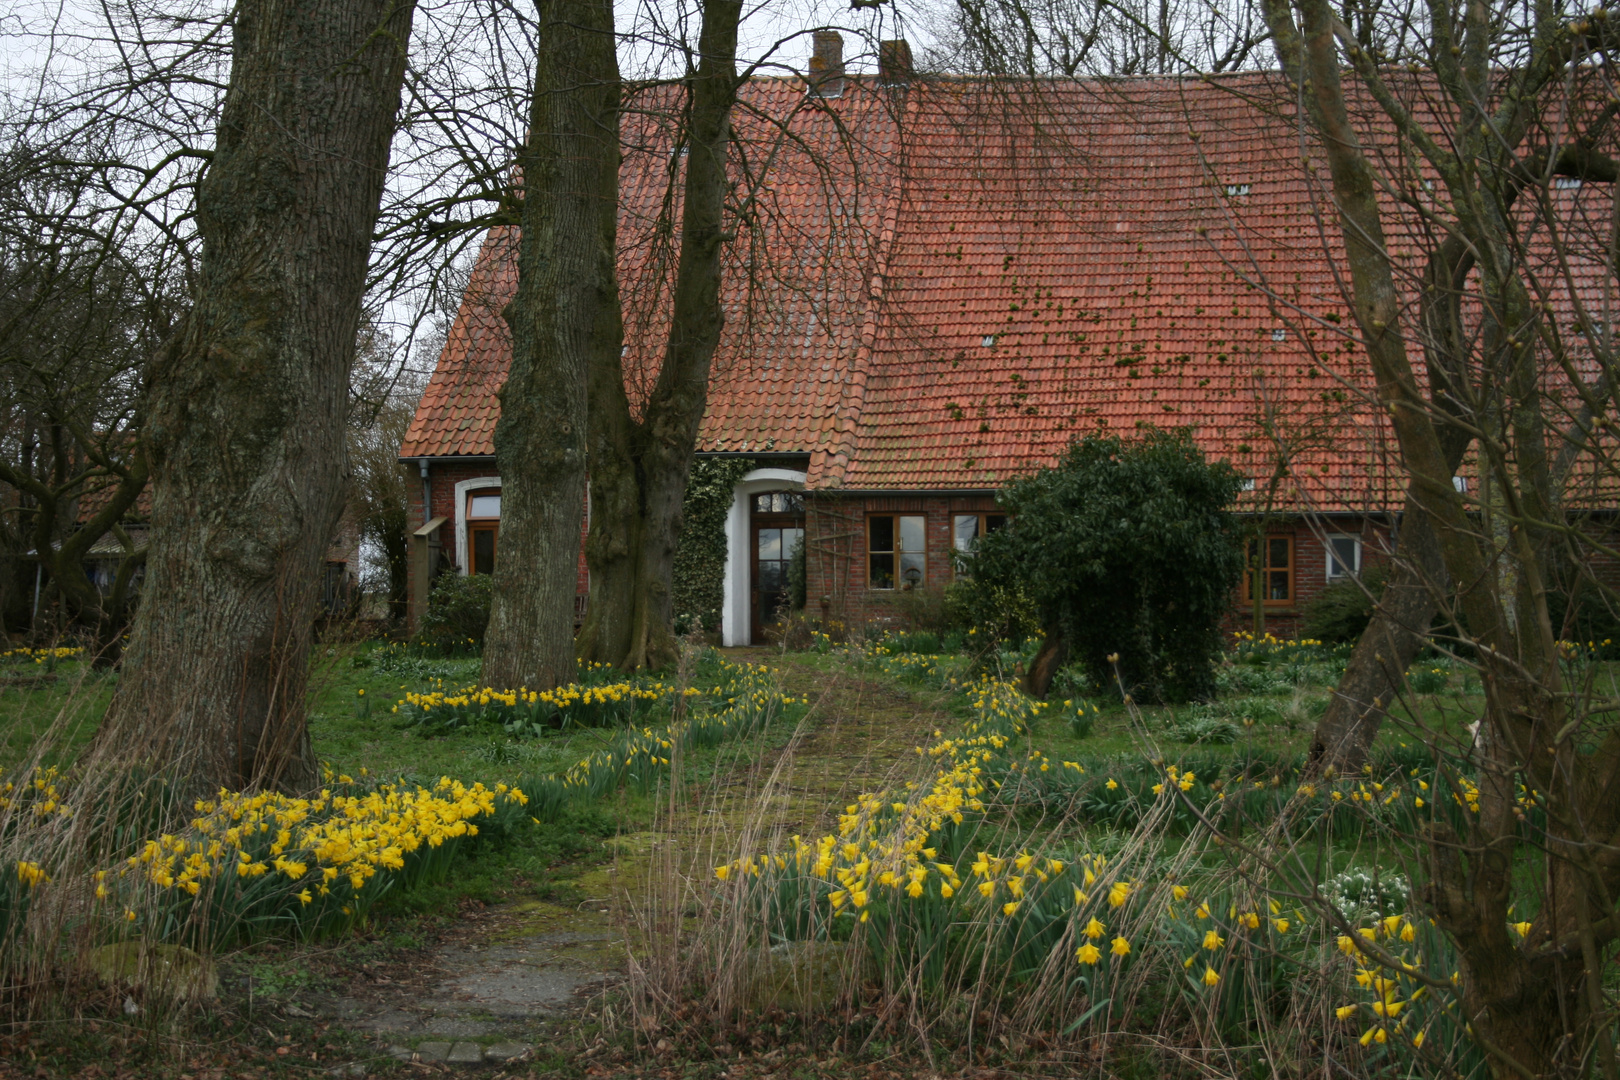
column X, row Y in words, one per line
column 777, row 531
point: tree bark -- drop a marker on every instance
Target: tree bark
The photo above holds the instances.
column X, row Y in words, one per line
column 565, row 322
column 639, row 468
column 246, row 427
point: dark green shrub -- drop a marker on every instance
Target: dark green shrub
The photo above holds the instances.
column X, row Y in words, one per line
column 1125, row 546
column 994, row 611
column 1342, row 610
column 457, row 613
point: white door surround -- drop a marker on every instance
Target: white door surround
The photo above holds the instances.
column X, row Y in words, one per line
column 736, row 625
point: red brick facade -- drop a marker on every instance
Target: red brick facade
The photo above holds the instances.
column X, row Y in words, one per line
column 836, row 549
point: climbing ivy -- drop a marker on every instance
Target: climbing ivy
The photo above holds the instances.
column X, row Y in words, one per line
column 700, row 558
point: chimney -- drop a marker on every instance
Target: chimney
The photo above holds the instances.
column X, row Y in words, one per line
column 894, row 63
column 827, row 64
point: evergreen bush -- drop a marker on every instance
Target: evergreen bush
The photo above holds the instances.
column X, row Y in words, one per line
column 457, row 613
column 1125, row 546
column 1342, row 610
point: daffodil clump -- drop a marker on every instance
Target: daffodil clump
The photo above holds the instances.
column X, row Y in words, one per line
column 273, row 863
column 44, row 655
column 731, row 701
column 1404, row 1004
column 523, row 712
column 30, row 807
column 253, row 865
column 1247, row 646
column 902, row 869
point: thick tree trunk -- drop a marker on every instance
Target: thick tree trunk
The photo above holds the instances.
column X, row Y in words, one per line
column 639, row 469
column 565, row 321
column 246, row 426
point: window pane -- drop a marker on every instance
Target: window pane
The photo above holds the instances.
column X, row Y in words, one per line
column 792, row 541
column 483, row 560
column 911, row 534
column 882, row 536
column 1279, row 585
column 1277, row 556
column 771, row 576
column 965, row 531
column 1342, row 552
column 882, row 571
column 911, row 571
column 770, row 544
column 992, row 522
column 484, row 506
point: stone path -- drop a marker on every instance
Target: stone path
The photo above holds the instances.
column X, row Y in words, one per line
column 515, row 975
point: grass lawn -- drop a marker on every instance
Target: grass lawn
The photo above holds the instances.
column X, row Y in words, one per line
column 859, row 724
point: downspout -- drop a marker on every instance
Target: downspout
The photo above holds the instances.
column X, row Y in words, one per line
column 427, row 491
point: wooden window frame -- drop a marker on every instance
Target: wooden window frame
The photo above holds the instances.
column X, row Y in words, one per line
column 896, row 552
column 1268, row 569
column 477, row 525
column 960, row 555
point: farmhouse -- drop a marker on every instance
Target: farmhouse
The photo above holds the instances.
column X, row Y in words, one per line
column 945, row 281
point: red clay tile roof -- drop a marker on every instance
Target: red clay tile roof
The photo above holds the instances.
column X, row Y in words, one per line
column 795, row 287
column 970, row 284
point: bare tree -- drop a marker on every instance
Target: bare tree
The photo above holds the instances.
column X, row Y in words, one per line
column 639, row 465
column 1456, row 126
column 246, row 423
column 564, row 317
column 77, row 324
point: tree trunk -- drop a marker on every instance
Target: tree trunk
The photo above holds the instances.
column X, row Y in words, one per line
column 1043, row 669
column 1400, row 622
column 246, row 427
column 565, row 321
column 639, row 469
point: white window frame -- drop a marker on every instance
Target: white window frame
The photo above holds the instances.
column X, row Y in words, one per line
column 1328, row 562
column 465, row 488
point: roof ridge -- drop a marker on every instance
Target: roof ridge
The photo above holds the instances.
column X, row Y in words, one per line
column 828, row 465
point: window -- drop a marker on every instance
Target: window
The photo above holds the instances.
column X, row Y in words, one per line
column 896, row 551
column 779, row 502
column 1343, row 557
column 483, row 531
column 1276, row 570
column 967, row 528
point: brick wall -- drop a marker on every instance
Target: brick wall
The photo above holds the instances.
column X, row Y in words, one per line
column 836, row 563
column 1310, row 571
column 836, row 567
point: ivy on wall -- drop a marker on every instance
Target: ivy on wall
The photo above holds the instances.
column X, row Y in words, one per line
column 700, row 558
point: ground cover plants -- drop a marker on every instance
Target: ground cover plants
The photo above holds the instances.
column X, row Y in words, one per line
column 1096, row 887
column 1067, row 882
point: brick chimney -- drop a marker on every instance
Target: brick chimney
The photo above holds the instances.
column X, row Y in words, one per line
column 827, row 64
column 894, row 63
